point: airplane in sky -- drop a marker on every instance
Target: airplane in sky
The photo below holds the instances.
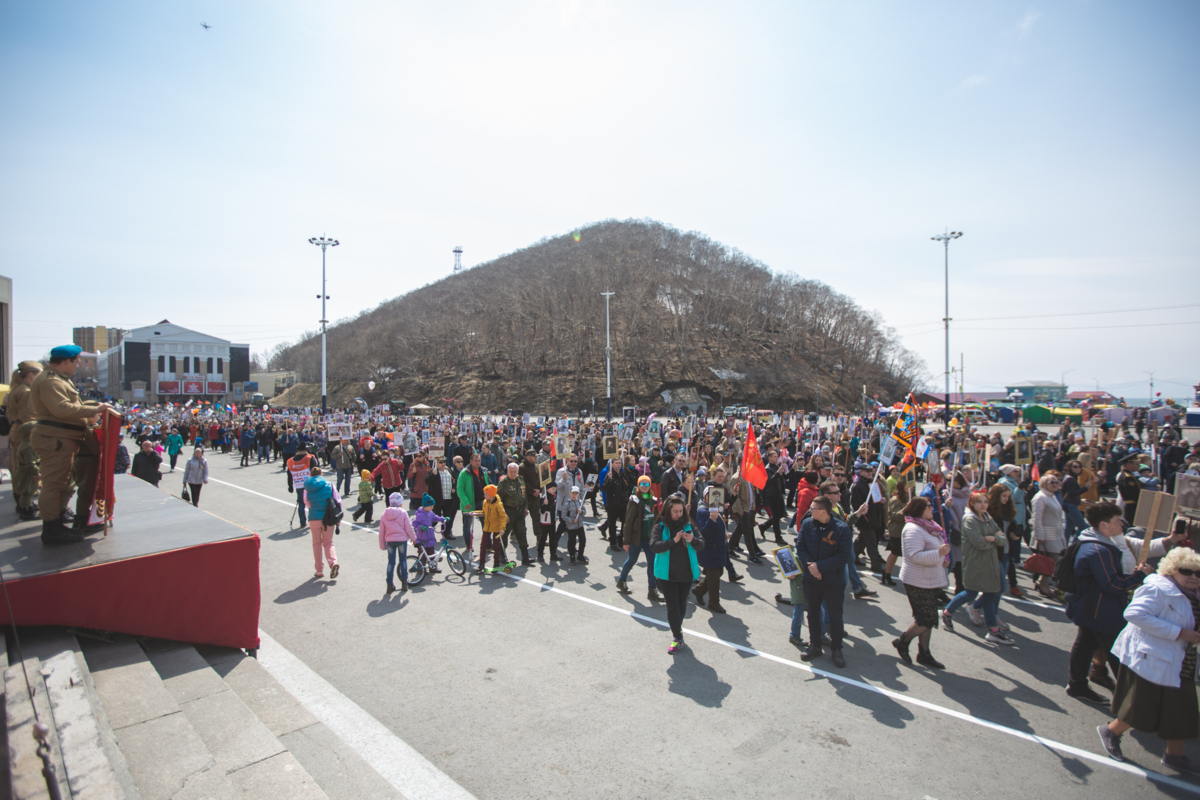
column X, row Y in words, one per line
column 206, row 26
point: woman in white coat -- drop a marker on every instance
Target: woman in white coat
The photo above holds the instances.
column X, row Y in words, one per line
column 1156, row 684
column 1049, row 525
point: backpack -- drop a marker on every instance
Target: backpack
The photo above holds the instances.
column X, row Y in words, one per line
column 1064, row 570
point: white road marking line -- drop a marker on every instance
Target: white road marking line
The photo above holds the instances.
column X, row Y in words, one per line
column 1050, row 743
column 903, row 698
column 400, row 765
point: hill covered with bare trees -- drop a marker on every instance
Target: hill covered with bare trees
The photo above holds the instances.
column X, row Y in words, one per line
column 526, row 330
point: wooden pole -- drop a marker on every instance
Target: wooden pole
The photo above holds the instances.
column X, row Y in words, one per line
column 1150, row 526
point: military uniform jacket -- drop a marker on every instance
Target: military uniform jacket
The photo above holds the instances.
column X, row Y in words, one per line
column 54, row 399
column 20, row 410
column 511, row 492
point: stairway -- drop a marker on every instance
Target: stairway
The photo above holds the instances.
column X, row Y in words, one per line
column 150, row 720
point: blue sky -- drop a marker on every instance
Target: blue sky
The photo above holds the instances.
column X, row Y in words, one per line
column 154, row 169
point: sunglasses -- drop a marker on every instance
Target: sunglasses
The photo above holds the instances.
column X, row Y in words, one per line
column 1190, row 573
column 831, row 493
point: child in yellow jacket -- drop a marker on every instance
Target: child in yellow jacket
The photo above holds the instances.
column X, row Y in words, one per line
column 494, row 522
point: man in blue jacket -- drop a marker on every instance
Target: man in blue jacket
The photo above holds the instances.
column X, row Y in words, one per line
column 824, row 548
column 1097, row 606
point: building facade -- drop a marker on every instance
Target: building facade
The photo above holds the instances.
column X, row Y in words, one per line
column 1040, row 391
column 7, row 364
column 97, row 339
column 167, row 363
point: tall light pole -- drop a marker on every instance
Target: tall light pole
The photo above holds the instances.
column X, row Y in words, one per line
column 945, row 239
column 1151, row 374
column 608, row 353
column 323, row 243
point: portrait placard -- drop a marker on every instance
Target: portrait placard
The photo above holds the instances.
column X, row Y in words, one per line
column 545, row 476
column 608, row 447
column 786, row 560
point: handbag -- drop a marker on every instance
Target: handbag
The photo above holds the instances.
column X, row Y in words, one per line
column 187, row 497
column 1040, row 564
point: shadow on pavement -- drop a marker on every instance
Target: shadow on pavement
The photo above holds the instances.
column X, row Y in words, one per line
column 310, row 588
column 695, row 680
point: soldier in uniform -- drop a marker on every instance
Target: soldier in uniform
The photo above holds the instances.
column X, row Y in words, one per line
column 22, row 457
column 62, row 432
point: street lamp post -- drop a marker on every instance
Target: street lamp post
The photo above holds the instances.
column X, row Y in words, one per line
column 608, row 353
column 323, row 243
column 1151, row 374
column 945, row 239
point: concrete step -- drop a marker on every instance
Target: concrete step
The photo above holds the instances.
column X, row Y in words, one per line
column 166, row 756
column 26, row 780
column 48, row 643
column 340, row 772
column 245, row 749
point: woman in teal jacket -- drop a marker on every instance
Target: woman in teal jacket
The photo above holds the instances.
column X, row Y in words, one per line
column 174, row 446
column 675, row 565
column 317, row 494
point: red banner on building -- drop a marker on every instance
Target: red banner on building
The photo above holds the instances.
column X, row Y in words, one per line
column 168, row 387
column 216, row 387
column 193, row 387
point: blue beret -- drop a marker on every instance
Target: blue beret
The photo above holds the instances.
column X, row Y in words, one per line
column 66, row 351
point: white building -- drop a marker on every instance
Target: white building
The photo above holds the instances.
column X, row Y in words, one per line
column 167, row 363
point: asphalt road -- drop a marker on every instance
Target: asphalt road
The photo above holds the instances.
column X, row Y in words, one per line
column 549, row 683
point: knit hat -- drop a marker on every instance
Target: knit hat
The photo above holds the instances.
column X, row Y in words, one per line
column 395, row 500
column 490, row 490
column 644, row 481
column 365, row 474
column 1010, row 469
column 427, row 501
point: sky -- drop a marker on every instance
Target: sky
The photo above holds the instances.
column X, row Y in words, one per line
column 154, row 169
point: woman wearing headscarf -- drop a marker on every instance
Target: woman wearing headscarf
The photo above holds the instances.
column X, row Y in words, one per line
column 1156, row 682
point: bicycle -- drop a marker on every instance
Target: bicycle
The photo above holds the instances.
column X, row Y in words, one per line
column 422, row 564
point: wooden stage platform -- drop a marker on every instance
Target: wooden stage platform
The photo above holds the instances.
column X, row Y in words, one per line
column 166, row 569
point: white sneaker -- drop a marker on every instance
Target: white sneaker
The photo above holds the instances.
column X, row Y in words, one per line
column 976, row 616
column 1000, row 637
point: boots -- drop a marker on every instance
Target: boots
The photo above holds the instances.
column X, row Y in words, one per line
column 654, row 596
column 622, row 587
column 55, row 533
column 700, row 589
column 925, row 658
column 1099, row 676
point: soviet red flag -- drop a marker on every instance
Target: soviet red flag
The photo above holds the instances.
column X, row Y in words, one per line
column 753, row 469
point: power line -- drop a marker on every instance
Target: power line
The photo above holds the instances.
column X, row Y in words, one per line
column 1053, row 316
column 1087, row 327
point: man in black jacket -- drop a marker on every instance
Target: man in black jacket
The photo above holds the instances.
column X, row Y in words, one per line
column 772, row 495
column 146, row 463
column 823, row 550
column 871, row 524
column 673, row 477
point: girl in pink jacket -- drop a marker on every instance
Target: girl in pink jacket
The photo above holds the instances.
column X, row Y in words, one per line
column 395, row 532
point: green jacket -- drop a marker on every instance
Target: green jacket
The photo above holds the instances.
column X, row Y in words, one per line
column 174, row 444
column 466, row 490
column 511, row 492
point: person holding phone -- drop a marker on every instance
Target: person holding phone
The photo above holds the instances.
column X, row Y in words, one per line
column 676, row 567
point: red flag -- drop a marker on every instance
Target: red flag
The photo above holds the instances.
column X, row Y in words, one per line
column 753, row 469
column 1035, row 473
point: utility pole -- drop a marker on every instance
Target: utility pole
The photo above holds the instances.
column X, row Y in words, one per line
column 323, row 243
column 1151, row 374
column 945, row 239
column 608, row 353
